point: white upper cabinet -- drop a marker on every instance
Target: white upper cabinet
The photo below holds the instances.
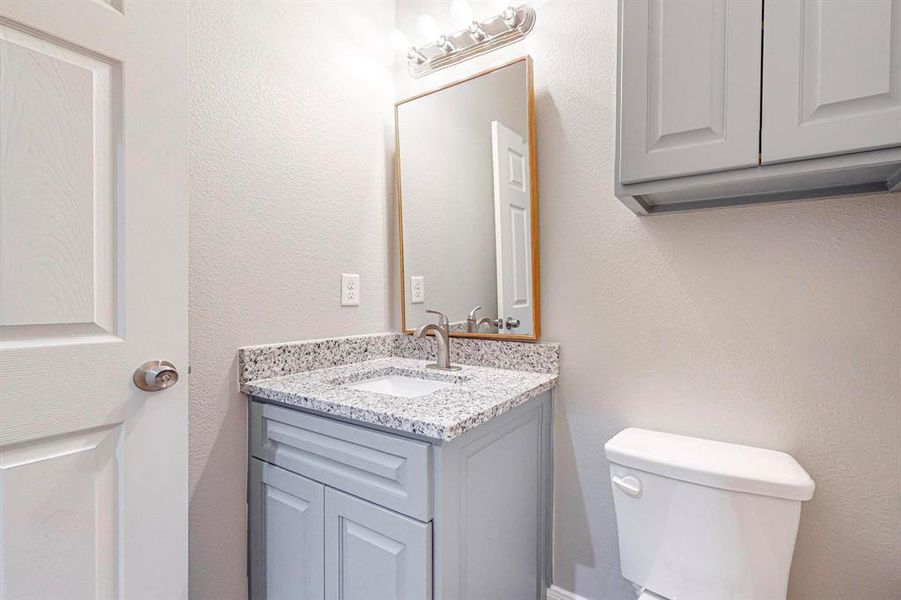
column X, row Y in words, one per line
column 832, row 77
column 690, row 87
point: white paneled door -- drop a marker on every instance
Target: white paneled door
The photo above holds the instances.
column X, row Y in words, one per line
column 93, row 283
column 513, row 228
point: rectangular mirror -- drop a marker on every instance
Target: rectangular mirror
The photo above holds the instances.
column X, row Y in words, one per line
column 467, row 200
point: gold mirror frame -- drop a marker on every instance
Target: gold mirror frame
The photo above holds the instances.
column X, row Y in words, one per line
column 533, row 166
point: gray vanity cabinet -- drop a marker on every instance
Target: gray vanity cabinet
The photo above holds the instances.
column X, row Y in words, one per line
column 726, row 102
column 372, row 553
column 286, row 534
column 348, row 512
column 308, row 541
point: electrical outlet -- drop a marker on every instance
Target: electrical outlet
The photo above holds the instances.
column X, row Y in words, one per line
column 417, row 289
column 350, row 289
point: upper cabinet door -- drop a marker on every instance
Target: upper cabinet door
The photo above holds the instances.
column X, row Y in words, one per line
column 690, row 87
column 832, row 77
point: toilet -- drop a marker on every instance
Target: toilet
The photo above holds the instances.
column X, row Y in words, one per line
column 704, row 520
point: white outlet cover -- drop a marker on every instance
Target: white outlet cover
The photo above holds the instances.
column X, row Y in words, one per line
column 350, row 289
column 417, row 289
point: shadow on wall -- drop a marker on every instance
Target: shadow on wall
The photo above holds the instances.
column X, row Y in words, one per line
column 581, row 478
column 564, row 474
column 226, row 457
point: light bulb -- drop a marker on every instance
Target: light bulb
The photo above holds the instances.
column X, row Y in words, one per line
column 427, row 27
column 399, row 40
column 462, row 10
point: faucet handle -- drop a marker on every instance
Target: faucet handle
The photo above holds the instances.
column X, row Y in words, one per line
column 442, row 318
column 472, row 313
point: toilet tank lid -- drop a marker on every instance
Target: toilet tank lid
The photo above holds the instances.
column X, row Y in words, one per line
column 715, row 464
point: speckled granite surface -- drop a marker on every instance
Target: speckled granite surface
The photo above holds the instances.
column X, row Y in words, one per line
column 477, row 395
column 274, row 360
column 538, row 357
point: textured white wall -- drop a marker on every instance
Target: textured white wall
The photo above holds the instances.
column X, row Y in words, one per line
column 291, row 108
column 777, row 326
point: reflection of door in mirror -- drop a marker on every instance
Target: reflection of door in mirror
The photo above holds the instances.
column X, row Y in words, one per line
column 513, row 226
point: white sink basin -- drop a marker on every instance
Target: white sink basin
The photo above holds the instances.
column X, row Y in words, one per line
column 400, row 385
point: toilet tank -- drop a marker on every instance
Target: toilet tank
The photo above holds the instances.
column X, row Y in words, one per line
column 705, row 520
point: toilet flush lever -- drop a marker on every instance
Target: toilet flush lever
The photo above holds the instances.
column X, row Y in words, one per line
column 629, row 484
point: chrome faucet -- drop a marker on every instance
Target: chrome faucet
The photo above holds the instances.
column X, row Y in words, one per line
column 442, row 339
column 475, row 326
column 471, row 325
column 484, row 321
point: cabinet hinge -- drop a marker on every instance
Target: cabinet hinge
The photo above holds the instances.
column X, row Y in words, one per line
column 759, row 158
column 761, row 24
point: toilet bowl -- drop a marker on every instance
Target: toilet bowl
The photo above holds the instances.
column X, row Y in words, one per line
column 704, row 520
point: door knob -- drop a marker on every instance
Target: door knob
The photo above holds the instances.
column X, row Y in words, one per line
column 512, row 323
column 155, row 375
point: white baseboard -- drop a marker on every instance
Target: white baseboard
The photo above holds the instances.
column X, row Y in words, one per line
column 558, row 593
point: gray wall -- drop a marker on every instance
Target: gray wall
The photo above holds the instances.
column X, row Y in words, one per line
column 291, row 107
column 777, row 326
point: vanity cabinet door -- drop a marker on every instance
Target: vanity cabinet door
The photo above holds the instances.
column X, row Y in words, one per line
column 286, row 535
column 831, row 77
column 372, row 553
column 689, row 97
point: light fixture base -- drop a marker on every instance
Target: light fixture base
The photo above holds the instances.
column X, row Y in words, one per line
column 498, row 32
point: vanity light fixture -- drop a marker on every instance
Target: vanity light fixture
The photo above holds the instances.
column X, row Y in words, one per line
column 509, row 16
column 463, row 11
column 479, row 37
column 415, row 56
column 401, row 42
column 476, row 31
column 445, row 44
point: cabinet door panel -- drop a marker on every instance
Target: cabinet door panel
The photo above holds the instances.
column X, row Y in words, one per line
column 286, row 534
column 690, row 87
column 831, row 77
column 372, row 553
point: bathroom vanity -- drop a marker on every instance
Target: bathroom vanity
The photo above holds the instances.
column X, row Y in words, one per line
column 398, row 467
column 385, row 479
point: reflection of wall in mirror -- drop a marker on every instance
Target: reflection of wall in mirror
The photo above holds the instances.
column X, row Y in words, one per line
column 448, row 191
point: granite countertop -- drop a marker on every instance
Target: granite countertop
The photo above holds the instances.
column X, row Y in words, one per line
column 477, row 395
